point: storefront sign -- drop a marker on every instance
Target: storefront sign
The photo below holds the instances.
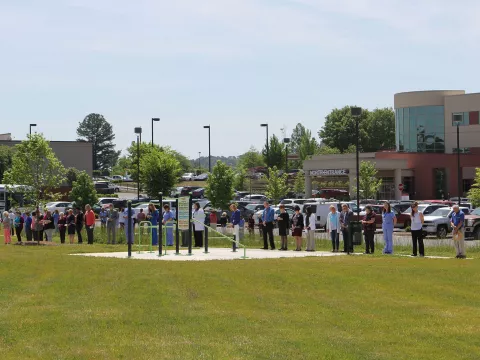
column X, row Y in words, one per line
column 183, row 213
column 329, row 172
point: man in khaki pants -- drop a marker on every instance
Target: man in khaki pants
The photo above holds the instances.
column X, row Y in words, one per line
column 457, row 222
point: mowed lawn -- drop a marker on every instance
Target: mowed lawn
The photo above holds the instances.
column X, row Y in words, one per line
column 56, row 306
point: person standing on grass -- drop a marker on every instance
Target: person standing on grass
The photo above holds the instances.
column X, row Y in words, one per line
column 89, row 223
column 6, row 227
column 251, row 224
column 369, row 228
column 333, row 227
column 48, row 225
column 141, row 218
column 112, row 218
column 346, row 217
column 416, row 221
column 103, row 219
column 167, row 221
column 268, row 217
column 213, row 219
column 79, row 221
column 56, row 216
column 39, row 225
column 18, row 223
column 457, row 222
column 28, row 226
column 198, row 225
column 71, row 226
column 223, row 223
column 283, row 221
column 388, row 224
column 235, row 221
column 11, row 216
column 62, row 227
column 153, row 217
column 297, row 227
column 310, row 225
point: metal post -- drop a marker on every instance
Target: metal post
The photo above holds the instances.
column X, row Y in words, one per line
column 160, row 225
column 190, row 225
column 129, row 228
column 209, row 152
column 459, row 175
column 138, row 168
column 177, row 231
column 234, row 244
column 206, row 240
column 268, row 151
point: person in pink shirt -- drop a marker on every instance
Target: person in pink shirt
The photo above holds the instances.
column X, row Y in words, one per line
column 6, row 228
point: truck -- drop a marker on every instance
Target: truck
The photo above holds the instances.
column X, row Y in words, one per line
column 472, row 225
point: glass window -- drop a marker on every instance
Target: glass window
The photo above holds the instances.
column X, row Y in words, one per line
column 473, row 118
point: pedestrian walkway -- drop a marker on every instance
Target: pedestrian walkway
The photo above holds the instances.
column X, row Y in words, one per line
column 216, row 254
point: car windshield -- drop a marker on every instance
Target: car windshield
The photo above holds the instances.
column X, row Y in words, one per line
column 443, row 212
column 251, row 206
column 476, row 212
column 50, row 204
column 421, row 208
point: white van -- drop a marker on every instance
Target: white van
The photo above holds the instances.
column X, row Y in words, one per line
column 320, row 210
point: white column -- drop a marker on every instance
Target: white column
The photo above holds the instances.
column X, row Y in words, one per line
column 308, row 185
column 398, row 180
column 352, row 183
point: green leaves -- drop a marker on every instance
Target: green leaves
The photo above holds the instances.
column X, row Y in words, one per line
column 474, row 193
column 276, row 153
column 159, row 171
column 6, row 155
column 35, row 165
column 219, row 188
column 369, row 183
column 83, row 190
column 276, row 185
column 252, row 158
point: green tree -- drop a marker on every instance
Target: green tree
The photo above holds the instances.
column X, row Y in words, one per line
column 6, row 155
column 474, row 193
column 239, row 180
column 219, row 188
column 35, row 166
column 308, row 145
column 276, row 153
column 83, row 190
column 95, row 129
column 252, row 158
column 369, row 182
column 71, row 175
column 122, row 167
column 276, row 185
column 379, row 129
column 299, row 184
column 327, row 150
column 159, row 171
column 298, row 133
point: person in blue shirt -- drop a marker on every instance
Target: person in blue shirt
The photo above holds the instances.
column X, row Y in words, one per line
column 458, row 226
column 153, row 216
column 388, row 223
column 28, row 226
column 168, row 221
column 235, row 221
column 56, row 216
column 268, row 217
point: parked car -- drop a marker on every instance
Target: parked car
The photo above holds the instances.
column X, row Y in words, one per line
column 426, row 208
column 472, row 225
column 186, row 190
column 198, row 193
column 201, row 177
column 240, row 194
column 403, row 219
column 102, row 203
column 188, row 176
column 103, row 187
column 438, row 222
column 255, row 198
column 252, row 209
column 61, row 206
column 290, row 213
column 401, row 207
column 117, row 178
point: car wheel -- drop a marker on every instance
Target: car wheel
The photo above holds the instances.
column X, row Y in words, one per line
column 476, row 233
column 441, row 232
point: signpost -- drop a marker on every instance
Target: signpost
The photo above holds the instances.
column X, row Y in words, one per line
column 400, row 187
column 183, row 214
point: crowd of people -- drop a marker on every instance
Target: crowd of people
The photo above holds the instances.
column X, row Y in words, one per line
column 42, row 225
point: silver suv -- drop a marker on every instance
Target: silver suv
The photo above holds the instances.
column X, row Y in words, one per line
column 438, row 222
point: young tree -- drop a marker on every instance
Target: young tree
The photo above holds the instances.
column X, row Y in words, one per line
column 276, row 185
column 159, row 172
column 299, row 184
column 219, row 188
column 35, row 166
column 239, row 180
column 83, row 190
column 308, row 145
column 6, row 155
column 72, row 175
column 369, row 183
column 95, row 129
column 252, row 158
column 122, row 166
column 474, row 193
column 276, row 153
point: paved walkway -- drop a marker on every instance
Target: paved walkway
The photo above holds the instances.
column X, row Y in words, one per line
column 215, row 254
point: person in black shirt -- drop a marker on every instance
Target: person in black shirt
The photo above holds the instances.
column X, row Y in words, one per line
column 62, row 227
column 283, row 222
column 369, row 229
column 71, row 225
column 79, row 224
column 297, row 227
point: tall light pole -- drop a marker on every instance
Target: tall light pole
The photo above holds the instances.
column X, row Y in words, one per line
column 154, row 119
column 138, row 131
column 32, row 125
column 286, row 141
column 209, row 153
column 457, row 121
column 356, row 112
column 199, row 154
column 268, row 151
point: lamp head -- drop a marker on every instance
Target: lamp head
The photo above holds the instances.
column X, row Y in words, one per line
column 138, row 130
column 155, row 119
column 356, row 111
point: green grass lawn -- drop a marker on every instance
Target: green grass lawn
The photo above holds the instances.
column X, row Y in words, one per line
column 57, row 306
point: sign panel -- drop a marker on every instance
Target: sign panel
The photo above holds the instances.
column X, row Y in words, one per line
column 183, row 212
column 329, row 172
column 400, row 187
column 293, row 157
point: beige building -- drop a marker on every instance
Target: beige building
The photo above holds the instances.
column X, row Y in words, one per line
column 76, row 154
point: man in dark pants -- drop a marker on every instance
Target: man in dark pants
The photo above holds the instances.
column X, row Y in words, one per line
column 89, row 223
column 79, row 224
column 268, row 217
column 346, row 217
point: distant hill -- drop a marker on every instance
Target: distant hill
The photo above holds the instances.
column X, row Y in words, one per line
column 230, row 160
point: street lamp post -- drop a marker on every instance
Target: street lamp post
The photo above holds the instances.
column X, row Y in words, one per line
column 286, row 141
column 199, row 154
column 457, row 121
column 268, row 151
column 154, row 119
column 356, row 112
column 209, row 153
column 32, row 125
column 138, row 131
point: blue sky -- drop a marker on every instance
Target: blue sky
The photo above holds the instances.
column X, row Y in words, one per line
column 232, row 64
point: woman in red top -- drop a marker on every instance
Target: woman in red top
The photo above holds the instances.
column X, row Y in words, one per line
column 89, row 223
